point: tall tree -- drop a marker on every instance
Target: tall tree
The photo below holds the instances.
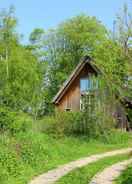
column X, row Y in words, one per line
column 68, row 43
column 123, row 28
column 36, row 40
column 21, row 77
column 8, row 36
column 123, row 36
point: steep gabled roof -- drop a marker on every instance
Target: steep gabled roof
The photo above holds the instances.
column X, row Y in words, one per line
column 73, row 76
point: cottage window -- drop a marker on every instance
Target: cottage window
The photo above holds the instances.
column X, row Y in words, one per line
column 68, row 106
column 88, row 84
column 87, row 88
column 86, row 100
column 85, row 84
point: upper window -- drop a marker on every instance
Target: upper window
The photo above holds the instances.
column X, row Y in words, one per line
column 87, row 84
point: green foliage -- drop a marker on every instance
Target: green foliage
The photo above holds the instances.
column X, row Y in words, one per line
column 118, row 136
column 67, row 44
column 8, row 24
column 20, row 71
column 76, row 124
column 13, row 122
column 28, row 154
column 123, row 32
column 111, row 64
column 97, row 109
column 18, row 89
column 29, row 78
column 5, row 119
column 12, row 169
column 30, row 151
column 36, row 39
column 31, row 75
column 126, row 177
column 60, row 124
column 36, row 36
column 22, row 123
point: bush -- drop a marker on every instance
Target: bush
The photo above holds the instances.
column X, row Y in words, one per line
column 21, row 122
column 12, row 168
column 6, row 119
column 62, row 123
column 75, row 123
column 13, row 121
column 44, row 125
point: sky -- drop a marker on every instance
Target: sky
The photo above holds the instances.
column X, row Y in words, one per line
column 49, row 13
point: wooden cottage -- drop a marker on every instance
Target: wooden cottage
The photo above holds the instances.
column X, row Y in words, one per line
column 69, row 97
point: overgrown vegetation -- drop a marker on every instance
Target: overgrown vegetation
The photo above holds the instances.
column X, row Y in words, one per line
column 31, row 147
column 33, row 136
column 32, row 74
column 14, row 122
column 31, row 153
column 75, row 124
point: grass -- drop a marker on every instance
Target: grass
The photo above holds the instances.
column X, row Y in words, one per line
column 85, row 174
column 26, row 151
column 126, row 176
column 28, row 154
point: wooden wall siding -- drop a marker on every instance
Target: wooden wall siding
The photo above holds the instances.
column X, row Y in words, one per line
column 71, row 98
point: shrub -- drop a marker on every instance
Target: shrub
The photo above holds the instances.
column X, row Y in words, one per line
column 12, row 168
column 21, row 122
column 13, row 121
column 68, row 123
column 44, row 125
column 6, row 118
column 75, row 123
column 62, row 123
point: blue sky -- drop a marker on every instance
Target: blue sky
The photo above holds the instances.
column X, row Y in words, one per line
column 49, row 13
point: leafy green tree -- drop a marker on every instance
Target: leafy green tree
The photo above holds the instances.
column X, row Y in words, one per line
column 66, row 45
column 8, row 36
column 36, row 40
column 21, row 77
column 123, row 36
column 17, row 89
column 36, row 36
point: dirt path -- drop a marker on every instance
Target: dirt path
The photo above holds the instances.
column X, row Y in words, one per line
column 108, row 175
column 52, row 176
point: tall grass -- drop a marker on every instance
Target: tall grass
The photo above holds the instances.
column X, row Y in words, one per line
column 30, row 147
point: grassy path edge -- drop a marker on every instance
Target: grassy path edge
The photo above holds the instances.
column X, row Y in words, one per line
column 109, row 174
column 85, row 175
column 55, row 174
